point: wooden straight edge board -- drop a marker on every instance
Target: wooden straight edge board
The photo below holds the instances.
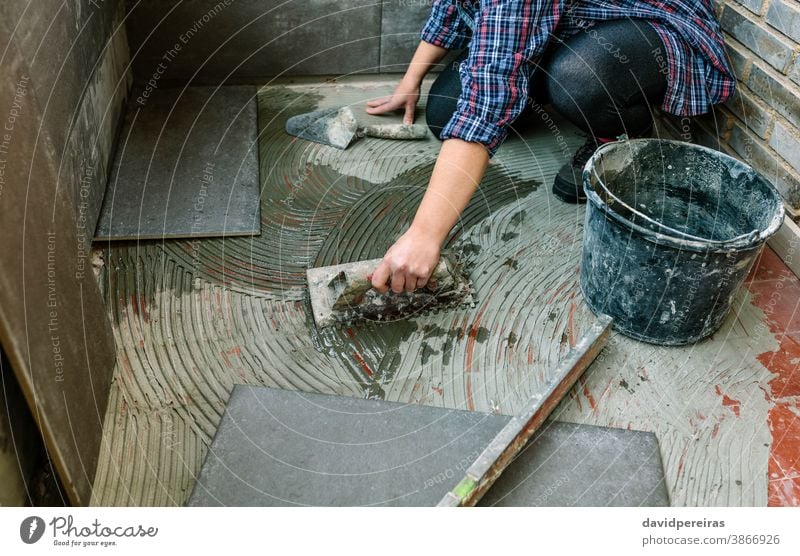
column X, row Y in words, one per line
column 786, row 242
column 501, row 451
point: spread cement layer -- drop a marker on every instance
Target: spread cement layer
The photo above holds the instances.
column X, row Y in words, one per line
column 192, row 318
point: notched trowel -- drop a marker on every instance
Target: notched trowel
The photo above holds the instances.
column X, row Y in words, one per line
column 343, row 294
column 339, row 128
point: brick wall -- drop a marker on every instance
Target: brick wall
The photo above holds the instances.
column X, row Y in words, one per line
column 761, row 124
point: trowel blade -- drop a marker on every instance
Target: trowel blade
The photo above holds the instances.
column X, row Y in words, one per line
column 342, row 294
column 336, row 127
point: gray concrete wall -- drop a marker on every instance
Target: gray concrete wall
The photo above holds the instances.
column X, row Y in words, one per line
column 78, row 58
column 401, row 22
column 214, row 40
column 64, row 81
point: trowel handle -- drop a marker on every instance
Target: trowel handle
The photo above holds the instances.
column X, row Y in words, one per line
column 396, row 131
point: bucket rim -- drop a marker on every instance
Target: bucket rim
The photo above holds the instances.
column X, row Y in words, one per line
column 698, row 244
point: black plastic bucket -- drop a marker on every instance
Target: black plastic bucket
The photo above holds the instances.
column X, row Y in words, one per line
column 672, row 230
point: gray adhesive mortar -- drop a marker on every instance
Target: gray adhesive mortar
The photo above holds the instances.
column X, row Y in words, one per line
column 193, row 318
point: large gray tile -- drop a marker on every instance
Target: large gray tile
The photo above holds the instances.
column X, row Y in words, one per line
column 567, row 464
column 251, row 39
column 278, row 448
column 401, row 23
column 186, row 166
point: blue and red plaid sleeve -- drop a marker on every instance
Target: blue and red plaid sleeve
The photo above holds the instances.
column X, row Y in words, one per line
column 444, row 27
column 494, row 78
column 509, row 35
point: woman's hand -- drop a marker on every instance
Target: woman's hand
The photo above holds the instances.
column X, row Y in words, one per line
column 405, row 97
column 409, row 263
column 406, row 94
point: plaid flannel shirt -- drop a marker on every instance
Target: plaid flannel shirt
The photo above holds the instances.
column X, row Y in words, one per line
column 507, row 37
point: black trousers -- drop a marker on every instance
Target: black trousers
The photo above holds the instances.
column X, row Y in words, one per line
column 603, row 80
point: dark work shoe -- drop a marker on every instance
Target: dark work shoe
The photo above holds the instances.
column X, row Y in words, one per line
column 568, row 185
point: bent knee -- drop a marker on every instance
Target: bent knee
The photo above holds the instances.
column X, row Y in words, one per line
column 438, row 112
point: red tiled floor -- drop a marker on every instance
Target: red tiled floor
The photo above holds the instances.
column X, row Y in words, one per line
column 784, row 461
column 769, row 267
column 776, row 290
column 785, row 362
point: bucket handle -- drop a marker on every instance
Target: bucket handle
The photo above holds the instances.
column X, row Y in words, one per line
column 749, row 237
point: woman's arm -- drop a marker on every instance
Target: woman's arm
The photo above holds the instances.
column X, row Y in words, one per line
column 425, row 57
column 494, row 82
column 443, row 31
column 456, row 175
column 406, row 95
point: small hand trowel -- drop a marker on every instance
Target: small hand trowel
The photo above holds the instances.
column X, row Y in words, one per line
column 343, row 294
column 339, row 128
